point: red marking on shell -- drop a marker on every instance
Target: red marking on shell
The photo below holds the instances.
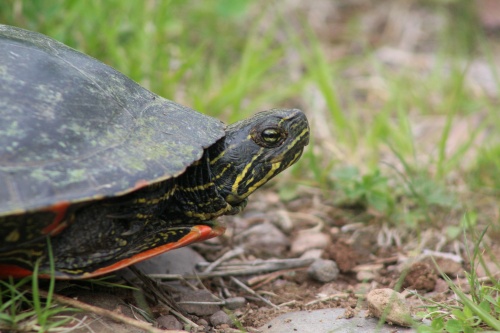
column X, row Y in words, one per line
column 197, row 233
column 13, row 271
column 140, row 184
column 56, row 226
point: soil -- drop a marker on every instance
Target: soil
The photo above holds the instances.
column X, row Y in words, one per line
column 365, row 263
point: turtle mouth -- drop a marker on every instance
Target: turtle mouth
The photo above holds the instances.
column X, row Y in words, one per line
column 293, row 150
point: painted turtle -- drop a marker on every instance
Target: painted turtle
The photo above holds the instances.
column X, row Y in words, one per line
column 113, row 173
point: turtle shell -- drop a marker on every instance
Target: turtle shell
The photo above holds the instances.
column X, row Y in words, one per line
column 73, row 129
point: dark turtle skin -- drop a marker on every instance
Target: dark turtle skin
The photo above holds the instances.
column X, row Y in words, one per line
column 103, row 173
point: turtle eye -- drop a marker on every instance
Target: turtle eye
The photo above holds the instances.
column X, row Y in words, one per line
column 270, row 135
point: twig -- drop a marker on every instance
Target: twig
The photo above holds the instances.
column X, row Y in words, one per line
column 387, row 260
column 293, row 301
column 250, row 290
column 238, row 269
column 162, row 296
column 318, row 223
column 226, row 256
column 202, row 303
column 261, row 280
column 106, row 313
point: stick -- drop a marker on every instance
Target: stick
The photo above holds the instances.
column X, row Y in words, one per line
column 238, row 269
column 250, row 290
column 226, row 256
column 106, row 313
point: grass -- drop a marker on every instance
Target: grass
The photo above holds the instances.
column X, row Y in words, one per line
column 24, row 307
column 400, row 130
column 475, row 310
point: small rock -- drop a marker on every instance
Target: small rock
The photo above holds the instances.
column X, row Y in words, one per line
column 380, row 299
column 234, row 303
column 169, row 322
column 220, row 318
column 441, row 286
column 420, row 276
column 180, row 261
column 323, row 270
column 309, row 240
column 202, row 322
column 312, row 254
column 334, row 231
column 365, row 276
column 326, row 320
column 194, row 296
column 366, row 243
column 367, row 272
column 264, row 239
column 343, row 254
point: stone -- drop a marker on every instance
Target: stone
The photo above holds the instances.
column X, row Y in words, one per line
column 264, row 240
column 363, row 242
column 327, row 320
column 344, row 254
column 220, row 318
column 420, row 276
column 179, row 261
column 367, row 272
column 309, row 240
column 202, row 322
column 312, row 254
column 365, row 276
column 202, row 296
column 390, row 304
column 323, row 270
column 169, row 322
column 234, row 303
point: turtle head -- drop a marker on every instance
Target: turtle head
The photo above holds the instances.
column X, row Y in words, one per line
column 257, row 149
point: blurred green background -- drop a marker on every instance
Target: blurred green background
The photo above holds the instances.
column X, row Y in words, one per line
column 402, row 96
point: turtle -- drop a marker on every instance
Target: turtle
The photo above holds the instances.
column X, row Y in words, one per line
column 98, row 173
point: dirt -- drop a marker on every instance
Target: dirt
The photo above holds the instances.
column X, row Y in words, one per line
column 365, row 262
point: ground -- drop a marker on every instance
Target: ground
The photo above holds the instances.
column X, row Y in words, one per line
column 365, row 258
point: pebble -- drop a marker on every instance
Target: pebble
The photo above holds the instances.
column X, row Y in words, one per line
column 323, row 270
column 312, row 254
column 202, row 322
column 180, row 261
column 169, row 322
column 309, row 240
column 365, row 240
column 264, row 240
column 368, row 272
column 365, row 276
column 198, row 296
column 380, row 299
column 234, row 303
column 327, row 320
column 420, row 276
column 220, row 318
